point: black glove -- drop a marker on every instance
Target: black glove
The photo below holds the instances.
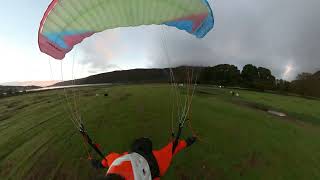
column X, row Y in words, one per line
column 191, row 140
column 96, row 164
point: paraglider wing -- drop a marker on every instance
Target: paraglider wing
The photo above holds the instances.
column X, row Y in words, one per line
column 67, row 22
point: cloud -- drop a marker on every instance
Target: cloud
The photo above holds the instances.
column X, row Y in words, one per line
column 98, row 51
column 269, row 33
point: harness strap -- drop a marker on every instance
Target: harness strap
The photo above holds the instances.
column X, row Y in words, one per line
column 176, row 141
column 89, row 141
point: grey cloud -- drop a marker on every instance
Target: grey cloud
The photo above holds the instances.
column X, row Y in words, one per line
column 269, row 33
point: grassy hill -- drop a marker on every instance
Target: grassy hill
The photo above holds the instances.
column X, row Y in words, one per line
column 135, row 76
column 239, row 139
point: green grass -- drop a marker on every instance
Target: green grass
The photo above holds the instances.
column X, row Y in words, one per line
column 38, row 140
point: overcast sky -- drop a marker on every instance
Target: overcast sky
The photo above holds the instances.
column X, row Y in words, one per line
column 282, row 35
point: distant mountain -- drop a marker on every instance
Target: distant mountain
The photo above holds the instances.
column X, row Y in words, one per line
column 135, row 76
column 30, row 83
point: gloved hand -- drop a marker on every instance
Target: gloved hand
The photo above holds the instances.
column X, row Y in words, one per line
column 96, row 164
column 191, row 140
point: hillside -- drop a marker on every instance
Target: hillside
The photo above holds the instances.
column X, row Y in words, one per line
column 134, row 76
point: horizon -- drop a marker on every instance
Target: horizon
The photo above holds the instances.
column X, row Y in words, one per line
column 52, row 82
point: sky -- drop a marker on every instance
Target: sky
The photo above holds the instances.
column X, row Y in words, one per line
column 282, row 35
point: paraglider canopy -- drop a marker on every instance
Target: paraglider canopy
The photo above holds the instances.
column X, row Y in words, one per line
column 67, row 22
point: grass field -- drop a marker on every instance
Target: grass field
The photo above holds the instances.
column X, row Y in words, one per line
column 239, row 139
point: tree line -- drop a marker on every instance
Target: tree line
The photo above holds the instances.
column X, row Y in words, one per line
column 260, row 78
column 229, row 75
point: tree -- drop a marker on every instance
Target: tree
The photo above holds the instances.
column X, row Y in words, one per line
column 304, row 76
column 258, row 78
column 282, row 85
column 226, row 74
column 223, row 74
column 307, row 84
column 266, row 80
column 249, row 75
column 265, row 74
column 205, row 76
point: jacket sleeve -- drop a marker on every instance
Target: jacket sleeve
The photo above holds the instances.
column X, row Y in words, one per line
column 164, row 155
column 110, row 158
column 181, row 145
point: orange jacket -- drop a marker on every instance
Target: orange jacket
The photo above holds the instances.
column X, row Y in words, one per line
column 163, row 156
